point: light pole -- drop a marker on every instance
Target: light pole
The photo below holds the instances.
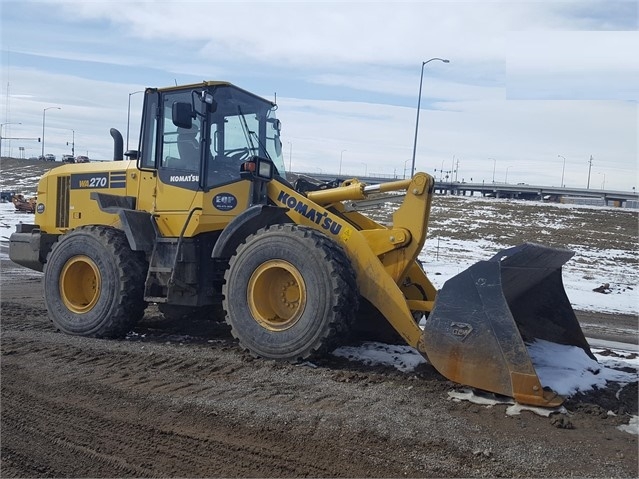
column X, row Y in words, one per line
column 72, row 143
column 405, row 167
column 494, row 166
column 603, row 184
column 507, row 168
column 341, row 157
column 128, row 117
column 563, row 169
column 419, row 101
column 1, row 125
column 44, row 115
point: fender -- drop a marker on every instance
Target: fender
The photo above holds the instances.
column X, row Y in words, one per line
column 245, row 224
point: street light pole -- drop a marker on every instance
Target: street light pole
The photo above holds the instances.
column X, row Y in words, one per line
column 72, row 143
column 1, row 125
column 341, row 157
column 44, row 114
column 494, row 166
column 603, row 184
column 128, row 117
column 419, row 101
column 507, row 168
column 563, row 169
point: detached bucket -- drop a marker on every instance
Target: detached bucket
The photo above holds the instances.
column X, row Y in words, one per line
column 476, row 331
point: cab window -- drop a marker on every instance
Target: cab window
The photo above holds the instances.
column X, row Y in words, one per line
column 181, row 147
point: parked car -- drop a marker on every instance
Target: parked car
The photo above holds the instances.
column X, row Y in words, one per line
column 81, row 159
column 49, row 157
column 68, row 159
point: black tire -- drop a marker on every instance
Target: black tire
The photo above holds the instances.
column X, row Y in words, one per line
column 94, row 283
column 290, row 293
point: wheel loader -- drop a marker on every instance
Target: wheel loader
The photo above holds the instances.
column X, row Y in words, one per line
column 201, row 219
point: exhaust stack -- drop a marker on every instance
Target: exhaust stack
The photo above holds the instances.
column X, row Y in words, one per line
column 118, row 145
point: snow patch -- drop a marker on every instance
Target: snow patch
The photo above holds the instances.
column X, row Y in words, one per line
column 403, row 358
column 632, row 427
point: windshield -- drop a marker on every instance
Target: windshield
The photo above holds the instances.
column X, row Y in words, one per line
column 243, row 126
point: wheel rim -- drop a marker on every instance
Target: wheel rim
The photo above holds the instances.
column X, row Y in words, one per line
column 80, row 284
column 276, row 295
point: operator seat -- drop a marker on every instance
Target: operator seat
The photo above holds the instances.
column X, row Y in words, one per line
column 188, row 149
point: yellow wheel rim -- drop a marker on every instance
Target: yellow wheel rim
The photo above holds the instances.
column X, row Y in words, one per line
column 80, row 283
column 276, row 295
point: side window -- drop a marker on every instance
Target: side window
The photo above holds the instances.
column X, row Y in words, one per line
column 180, row 146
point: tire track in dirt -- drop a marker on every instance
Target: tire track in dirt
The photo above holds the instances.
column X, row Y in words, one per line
column 130, row 377
column 181, row 400
column 81, row 426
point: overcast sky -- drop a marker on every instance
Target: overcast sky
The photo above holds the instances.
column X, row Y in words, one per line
column 532, row 90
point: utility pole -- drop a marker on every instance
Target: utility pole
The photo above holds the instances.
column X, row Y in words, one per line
column 589, row 169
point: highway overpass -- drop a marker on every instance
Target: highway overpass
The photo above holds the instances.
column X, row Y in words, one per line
column 504, row 190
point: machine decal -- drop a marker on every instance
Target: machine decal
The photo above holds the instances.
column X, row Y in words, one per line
column 86, row 181
column 224, row 201
column 118, row 179
column 318, row 217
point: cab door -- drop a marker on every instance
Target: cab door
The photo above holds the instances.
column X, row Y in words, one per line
column 169, row 163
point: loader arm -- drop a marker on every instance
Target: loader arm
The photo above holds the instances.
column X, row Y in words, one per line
column 383, row 257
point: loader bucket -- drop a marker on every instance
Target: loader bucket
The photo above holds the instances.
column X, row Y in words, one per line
column 481, row 319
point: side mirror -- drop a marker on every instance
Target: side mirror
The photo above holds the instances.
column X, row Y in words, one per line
column 182, row 115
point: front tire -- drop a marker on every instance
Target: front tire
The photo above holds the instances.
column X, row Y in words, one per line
column 290, row 293
column 94, row 283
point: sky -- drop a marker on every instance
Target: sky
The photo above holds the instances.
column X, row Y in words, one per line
column 532, row 92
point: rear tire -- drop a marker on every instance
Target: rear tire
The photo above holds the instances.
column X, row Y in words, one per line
column 290, row 293
column 94, row 283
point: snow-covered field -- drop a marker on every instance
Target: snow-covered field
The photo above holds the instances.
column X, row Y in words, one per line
column 465, row 230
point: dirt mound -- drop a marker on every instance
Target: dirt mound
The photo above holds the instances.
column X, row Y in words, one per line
column 22, row 175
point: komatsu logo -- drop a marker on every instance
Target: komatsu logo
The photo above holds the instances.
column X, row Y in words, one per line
column 184, row 178
column 318, row 217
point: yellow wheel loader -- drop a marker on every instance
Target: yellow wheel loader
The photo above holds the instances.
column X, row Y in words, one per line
column 201, row 219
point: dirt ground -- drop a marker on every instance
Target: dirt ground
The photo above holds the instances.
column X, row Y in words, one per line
column 180, row 400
